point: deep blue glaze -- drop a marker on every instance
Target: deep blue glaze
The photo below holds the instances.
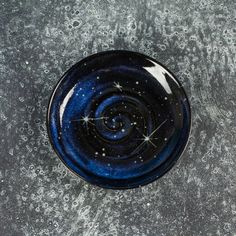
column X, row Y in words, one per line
column 119, row 119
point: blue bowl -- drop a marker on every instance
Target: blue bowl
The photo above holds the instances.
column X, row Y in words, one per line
column 119, row 119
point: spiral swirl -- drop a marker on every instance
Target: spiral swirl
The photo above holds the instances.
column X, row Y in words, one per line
column 119, row 119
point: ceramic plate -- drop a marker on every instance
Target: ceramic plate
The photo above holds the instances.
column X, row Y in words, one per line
column 119, row 119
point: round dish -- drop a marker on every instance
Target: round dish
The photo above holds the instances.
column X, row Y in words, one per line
column 119, row 119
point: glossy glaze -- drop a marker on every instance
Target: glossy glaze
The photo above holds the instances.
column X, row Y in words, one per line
column 119, row 119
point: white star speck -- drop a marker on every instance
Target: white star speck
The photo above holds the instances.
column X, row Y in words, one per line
column 87, row 120
column 149, row 138
column 118, row 86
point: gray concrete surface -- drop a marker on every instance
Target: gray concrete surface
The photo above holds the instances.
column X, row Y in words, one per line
column 40, row 40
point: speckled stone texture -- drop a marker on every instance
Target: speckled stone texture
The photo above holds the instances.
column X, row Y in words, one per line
column 40, row 40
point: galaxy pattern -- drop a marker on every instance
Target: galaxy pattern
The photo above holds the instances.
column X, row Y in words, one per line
column 119, row 119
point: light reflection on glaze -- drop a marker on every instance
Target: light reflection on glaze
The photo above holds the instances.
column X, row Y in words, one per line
column 64, row 103
column 160, row 73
